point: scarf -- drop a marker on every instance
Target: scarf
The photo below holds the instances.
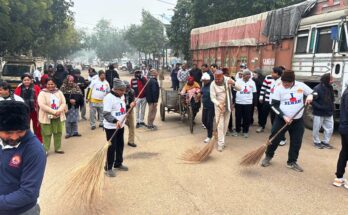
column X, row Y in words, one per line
column 28, row 96
column 70, row 89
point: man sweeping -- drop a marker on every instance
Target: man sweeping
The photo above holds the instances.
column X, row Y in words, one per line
column 287, row 100
column 22, row 161
column 221, row 96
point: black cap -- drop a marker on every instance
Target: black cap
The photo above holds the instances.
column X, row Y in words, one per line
column 14, row 116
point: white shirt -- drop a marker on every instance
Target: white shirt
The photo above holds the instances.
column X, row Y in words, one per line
column 99, row 89
column 291, row 99
column 37, row 74
column 117, row 107
column 16, row 98
column 274, row 84
column 245, row 95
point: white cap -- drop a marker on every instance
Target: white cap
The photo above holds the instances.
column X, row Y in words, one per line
column 205, row 77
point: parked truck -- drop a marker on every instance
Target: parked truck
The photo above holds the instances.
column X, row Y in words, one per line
column 319, row 46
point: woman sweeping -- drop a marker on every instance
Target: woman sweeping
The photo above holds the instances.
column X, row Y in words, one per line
column 52, row 115
column 74, row 100
column 29, row 93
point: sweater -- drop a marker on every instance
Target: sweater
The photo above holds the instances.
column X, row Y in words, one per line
column 343, row 128
column 266, row 88
column 137, row 85
column 152, row 91
column 50, row 103
column 21, row 172
column 323, row 104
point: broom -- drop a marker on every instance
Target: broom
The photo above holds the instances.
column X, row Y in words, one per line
column 254, row 157
column 84, row 189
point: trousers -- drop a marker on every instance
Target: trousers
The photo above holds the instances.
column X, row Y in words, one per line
column 208, row 120
column 222, row 119
column 327, row 123
column 115, row 149
column 343, row 157
column 140, row 110
column 93, row 109
column 131, row 127
column 152, row 113
column 243, row 117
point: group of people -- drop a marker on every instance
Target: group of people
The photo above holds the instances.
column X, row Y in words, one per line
column 277, row 96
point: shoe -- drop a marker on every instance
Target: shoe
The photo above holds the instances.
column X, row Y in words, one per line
column 339, row 182
column 132, row 144
column 59, row 151
column 83, row 118
column 101, row 126
column 137, row 125
column 266, row 161
column 318, row 145
column 121, row 168
column 245, row 135
column 282, row 143
column 326, row 145
column 220, row 148
column 235, row 134
column 46, row 153
column 93, row 128
column 110, row 173
column 77, row 135
column 207, row 140
column 143, row 124
column 294, row 166
column 67, row 136
column 203, row 126
column 259, row 130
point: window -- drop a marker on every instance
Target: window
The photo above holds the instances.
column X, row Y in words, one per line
column 324, row 42
column 15, row 70
column 302, row 40
column 343, row 41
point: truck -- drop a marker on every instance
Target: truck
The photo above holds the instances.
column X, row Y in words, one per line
column 318, row 47
column 15, row 67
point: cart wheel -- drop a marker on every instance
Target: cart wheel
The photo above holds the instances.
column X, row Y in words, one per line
column 190, row 118
column 162, row 112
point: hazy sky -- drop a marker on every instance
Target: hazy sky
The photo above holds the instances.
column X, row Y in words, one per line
column 120, row 12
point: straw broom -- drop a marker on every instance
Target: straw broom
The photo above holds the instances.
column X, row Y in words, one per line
column 84, row 189
column 254, row 157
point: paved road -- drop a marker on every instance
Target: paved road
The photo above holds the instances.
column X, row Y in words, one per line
column 157, row 183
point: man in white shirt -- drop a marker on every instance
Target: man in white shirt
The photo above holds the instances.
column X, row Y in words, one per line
column 287, row 100
column 37, row 76
column 6, row 94
column 245, row 98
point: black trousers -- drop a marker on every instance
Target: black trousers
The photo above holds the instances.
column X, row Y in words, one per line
column 259, row 107
column 243, row 117
column 343, row 157
column 175, row 84
column 230, row 123
column 296, row 131
column 116, row 148
column 266, row 109
column 208, row 120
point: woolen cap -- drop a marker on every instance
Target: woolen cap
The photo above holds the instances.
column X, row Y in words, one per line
column 119, row 84
column 14, row 116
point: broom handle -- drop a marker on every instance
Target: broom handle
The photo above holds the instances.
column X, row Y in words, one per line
column 130, row 109
column 285, row 126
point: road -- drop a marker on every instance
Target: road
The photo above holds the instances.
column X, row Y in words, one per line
column 158, row 183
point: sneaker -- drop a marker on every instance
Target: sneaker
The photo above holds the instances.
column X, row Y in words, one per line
column 143, row 124
column 326, row 145
column 245, row 135
column 259, row 130
column 93, row 128
column 137, row 125
column 207, row 140
column 266, row 161
column 339, row 182
column 235, row 134
column 101, row 126
column 84, row 118
column 121, row 168
column 220, row 148
column 318, row 145
column 203, row 126
column 294, row 166
column 77, row 135
column 282, row 143
column 67, row 136
column 132, row 144
column 110, row 173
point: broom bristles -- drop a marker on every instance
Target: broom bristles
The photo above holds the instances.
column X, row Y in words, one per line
column 253, row 157
column 84, row 189
column 197, row 155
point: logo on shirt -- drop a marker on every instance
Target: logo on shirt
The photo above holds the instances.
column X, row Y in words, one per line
column 54, row 105
column 245, row 91
column 299, row 91
column 15, row 161
column 293, row 100
column 101, row 89
column 122, row 111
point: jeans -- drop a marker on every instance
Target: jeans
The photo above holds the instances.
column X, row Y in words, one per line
column 328, row 125
column 140, row 110
column 71, row 128
column 116, row 148
column 243, row 114
column 93, row 109
column 208, row 120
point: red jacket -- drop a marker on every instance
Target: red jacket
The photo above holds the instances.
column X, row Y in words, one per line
column 137, row 85
column 18, row 92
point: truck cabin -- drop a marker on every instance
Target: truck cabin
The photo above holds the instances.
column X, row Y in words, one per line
column 12, row 72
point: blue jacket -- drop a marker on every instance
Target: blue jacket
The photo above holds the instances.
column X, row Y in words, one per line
column 323, row 104
column 21, row 173
column 343, row 128
column 207, row 103
column 152, row 91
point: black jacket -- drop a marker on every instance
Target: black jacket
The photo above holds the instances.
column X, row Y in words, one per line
column 77, row 97
column 343, row 128
column 129, row 97
column 152, row 91
column 110, row 75
column 323, row 104
column 81, row 82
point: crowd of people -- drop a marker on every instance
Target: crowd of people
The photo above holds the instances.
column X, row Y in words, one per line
column 278, row 96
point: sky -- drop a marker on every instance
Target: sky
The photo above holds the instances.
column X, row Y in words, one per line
column 121, row 13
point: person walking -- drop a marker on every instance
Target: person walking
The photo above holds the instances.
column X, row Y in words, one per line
column 287, row 100
column 323, row 108
column 152, row 96
column 137, row 84
column 96, row 92
column 22, row 161
column 110, row 74
column 343, row 129
column 129, row 98
column 183, row 75
column 245, row 97
column 74, row 100
column 220, row 96
column 52, row 108
column 174, row 77
column 114, row 113
column 30, row 92
column 208, row 113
